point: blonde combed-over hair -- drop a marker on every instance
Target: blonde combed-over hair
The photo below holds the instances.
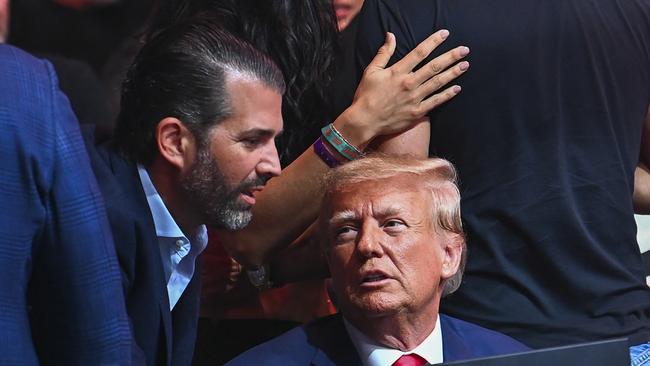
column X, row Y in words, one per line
column 438, row 176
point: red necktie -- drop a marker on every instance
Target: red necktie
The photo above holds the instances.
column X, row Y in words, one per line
column 410, row 360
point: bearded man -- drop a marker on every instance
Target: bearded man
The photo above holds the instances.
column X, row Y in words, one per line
column 195, row 140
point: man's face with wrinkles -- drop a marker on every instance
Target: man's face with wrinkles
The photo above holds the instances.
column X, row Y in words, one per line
column 239, row 157
column 384, row 253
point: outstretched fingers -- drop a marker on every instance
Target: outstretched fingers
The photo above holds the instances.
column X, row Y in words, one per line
column 420, row 52
column 394, row 97
column 438, row 99
column 440, row 80
column 440, row 64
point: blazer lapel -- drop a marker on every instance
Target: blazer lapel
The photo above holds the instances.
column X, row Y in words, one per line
column 166, row 316
column 127, row 174
column 453, row 346
column 333, row 344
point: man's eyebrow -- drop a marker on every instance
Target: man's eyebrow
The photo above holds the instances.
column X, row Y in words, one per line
column 350, row 215
column 389, row 211
column 342, row 216
column 260, row 132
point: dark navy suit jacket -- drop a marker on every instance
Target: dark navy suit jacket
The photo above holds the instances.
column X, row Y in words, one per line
column 325, row 342
column 164, row 337
column 60, row 297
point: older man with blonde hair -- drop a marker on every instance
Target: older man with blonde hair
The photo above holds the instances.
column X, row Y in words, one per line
column 393, row 238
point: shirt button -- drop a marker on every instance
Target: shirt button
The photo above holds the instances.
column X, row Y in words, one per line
column 179, row 243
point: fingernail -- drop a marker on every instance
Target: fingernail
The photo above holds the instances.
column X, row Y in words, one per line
column 456, row 89
column 463, row 65
column 444, row 33
column 464, row 51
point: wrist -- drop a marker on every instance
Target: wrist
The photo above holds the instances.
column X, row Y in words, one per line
column 354, row 127
column 331, row 157
column 338, row 142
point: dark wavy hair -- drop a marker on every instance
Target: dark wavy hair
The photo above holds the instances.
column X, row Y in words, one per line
column 299, row 35
column 181, row 72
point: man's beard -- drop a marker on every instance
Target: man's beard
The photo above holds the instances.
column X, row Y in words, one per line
column 218, row 202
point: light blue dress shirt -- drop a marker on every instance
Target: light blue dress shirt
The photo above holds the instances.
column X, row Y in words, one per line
column 177, row 252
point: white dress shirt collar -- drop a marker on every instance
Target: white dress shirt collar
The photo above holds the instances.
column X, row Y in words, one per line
column 373, row 354
column 177, row 252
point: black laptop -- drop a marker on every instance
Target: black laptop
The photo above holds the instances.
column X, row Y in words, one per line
column 613, row 352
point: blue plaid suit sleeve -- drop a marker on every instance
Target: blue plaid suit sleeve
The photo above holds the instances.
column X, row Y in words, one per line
column 61, row 300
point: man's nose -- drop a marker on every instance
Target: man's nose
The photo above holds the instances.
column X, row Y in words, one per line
column 369, row 241
column 269, row 165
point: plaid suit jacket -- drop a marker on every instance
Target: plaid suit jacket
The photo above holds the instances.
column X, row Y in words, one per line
column 61, row 301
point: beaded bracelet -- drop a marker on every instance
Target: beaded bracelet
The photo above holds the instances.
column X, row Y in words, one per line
column 338, row 142
column 325, row 154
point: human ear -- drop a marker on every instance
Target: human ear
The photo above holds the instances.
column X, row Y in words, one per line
column 175, row 143
column 453, row 251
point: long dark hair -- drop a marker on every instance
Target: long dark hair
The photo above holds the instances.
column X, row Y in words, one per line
column 299, row 35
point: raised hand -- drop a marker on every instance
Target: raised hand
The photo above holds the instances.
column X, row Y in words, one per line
column 390, row 100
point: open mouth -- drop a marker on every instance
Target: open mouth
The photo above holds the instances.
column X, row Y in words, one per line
column 248, row 198
column 373, row 277
column 249, row 195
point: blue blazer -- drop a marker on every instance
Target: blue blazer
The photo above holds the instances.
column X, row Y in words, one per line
column 325, row 342
column 61, row 302
column 164, row 337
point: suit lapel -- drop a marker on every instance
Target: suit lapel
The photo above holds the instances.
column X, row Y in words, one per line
column 453, row 346
column 166, row 317
column 332, row 343
column 133, row 194
column 185, row 319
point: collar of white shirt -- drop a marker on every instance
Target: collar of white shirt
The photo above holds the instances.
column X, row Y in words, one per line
column 373, row 354
column 162, row 219
column 175, row 247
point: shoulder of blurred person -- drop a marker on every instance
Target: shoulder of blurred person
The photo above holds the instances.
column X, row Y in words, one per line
column 54, row 219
